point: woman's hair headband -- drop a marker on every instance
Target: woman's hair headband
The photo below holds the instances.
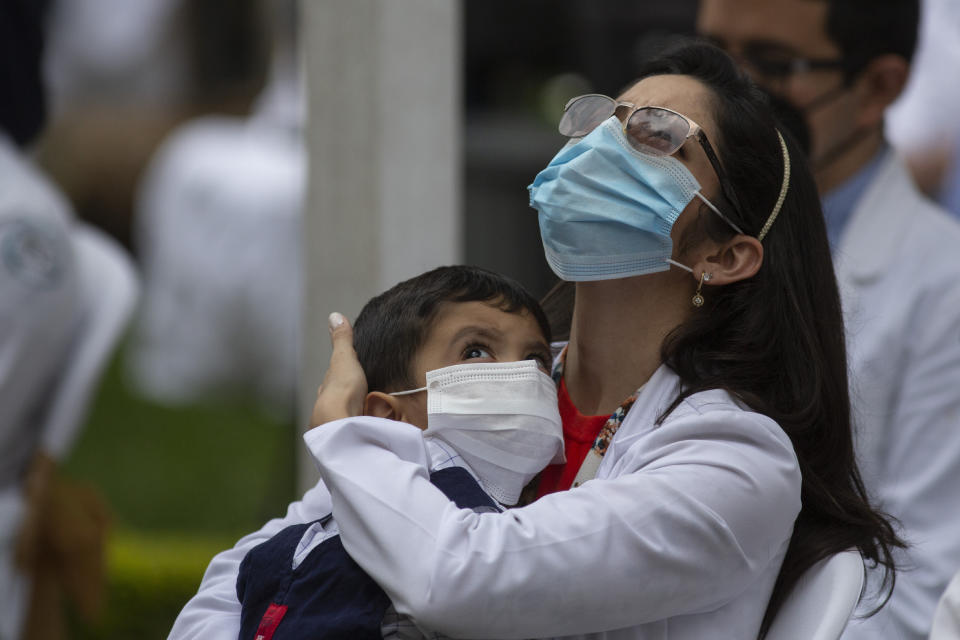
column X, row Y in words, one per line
column 783, row 190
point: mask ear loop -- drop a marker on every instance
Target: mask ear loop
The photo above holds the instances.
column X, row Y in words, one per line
column 784, row 187
column 717, row 211
column 407, row 393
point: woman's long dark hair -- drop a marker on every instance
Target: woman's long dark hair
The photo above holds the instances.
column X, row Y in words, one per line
column 776, row 340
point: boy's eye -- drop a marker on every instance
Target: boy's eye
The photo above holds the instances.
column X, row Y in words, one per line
column 471, row 353
column 544, row 361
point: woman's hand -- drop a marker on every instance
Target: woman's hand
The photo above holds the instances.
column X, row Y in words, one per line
column 344, row 387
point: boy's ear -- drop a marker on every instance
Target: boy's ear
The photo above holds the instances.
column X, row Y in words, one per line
column 382, row 405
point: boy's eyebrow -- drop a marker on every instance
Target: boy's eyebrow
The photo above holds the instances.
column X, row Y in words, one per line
column 537, row 345
column 486, row 332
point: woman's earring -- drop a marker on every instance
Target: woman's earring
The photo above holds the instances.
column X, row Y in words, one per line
column 698, row 297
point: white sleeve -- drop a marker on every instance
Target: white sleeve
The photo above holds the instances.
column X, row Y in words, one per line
column 706, row 504
column 214, row 612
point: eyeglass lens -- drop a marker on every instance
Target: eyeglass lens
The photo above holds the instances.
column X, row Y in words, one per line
column 649, row 129
column 657, row 131
column 584, row 114
column 767, row 61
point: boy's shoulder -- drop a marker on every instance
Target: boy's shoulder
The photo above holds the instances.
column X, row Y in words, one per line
column 304, row 573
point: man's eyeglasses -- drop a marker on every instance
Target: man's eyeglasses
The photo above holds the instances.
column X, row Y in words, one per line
column 657, row 131
column 774, row 62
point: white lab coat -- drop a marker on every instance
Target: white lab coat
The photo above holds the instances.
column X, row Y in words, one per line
column 680, row 536
column 218, row 228
column 898, row 266
column 38, row 304
column 946, row 620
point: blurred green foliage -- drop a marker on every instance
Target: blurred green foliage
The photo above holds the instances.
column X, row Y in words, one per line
column 182, row 484
column 150, row 577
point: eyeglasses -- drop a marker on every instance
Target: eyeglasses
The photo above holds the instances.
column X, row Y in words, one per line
column 657, row 131
column 773, row 62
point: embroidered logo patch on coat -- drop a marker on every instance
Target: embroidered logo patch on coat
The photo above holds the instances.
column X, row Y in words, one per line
column 32, row 253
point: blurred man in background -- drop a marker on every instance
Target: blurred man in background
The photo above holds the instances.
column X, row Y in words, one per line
column 841, row 63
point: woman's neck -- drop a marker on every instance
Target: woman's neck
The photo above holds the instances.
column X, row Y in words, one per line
column 615, row 338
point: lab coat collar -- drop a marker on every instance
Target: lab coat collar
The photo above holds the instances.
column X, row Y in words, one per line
column 871, row 242
column 656, row 394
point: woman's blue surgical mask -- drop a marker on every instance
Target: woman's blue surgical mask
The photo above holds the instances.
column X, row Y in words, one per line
column 606, row 209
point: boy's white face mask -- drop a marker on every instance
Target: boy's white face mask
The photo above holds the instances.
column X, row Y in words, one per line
column 501, row 417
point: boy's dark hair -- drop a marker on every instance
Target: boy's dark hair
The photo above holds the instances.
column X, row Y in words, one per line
column 867, row 29
column 394, row 325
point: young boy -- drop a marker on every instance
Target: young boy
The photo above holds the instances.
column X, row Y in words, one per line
column 463, row 354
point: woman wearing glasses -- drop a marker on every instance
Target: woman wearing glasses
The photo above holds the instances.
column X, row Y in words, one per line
column 703, row 391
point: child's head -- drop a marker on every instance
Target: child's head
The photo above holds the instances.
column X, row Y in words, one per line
column 447, row 316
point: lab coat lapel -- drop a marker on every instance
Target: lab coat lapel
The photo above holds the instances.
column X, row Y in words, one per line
column 864, row 262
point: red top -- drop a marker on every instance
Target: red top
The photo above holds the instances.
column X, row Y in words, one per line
column 579, row 433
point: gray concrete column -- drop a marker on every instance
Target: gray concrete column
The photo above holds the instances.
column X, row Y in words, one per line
column 383, row 81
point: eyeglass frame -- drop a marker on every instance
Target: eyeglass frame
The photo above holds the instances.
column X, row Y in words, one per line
column 792, row 64
column 694, row 131
column 796, row 65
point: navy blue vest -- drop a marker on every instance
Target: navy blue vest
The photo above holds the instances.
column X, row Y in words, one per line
column 328, row 596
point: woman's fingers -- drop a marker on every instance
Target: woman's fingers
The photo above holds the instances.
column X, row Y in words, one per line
column 343, row 358
column 345, row 386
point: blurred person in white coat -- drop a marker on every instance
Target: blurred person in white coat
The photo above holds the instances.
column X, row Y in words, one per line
column 841, row 63
column 42, row 316
column 924, row 123
column 218, row 232
column 38, row 301
column 118, row 53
